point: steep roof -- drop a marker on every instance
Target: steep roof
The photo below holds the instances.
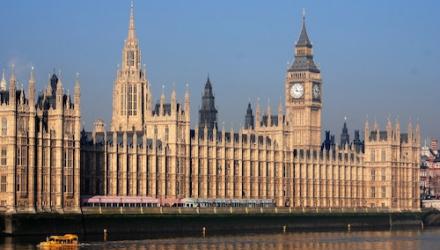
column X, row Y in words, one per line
column 304, row 40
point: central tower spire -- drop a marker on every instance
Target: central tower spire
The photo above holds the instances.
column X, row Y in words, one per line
column 131, row 57
column 131, row 29
column 129, row 93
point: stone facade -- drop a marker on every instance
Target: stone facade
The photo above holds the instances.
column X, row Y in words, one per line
column 40, row 147
column 150, row 149
column 277, row 157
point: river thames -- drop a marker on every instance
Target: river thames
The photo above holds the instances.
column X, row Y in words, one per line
column 365, row 240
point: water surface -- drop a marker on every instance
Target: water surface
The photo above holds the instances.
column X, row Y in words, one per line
column 375, row 240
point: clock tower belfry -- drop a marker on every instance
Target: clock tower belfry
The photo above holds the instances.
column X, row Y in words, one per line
column 303, row 96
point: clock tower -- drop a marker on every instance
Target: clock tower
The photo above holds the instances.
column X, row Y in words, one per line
column 303, row 96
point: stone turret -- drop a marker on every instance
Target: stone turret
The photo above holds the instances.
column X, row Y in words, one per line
column 367, row 130
column 12, row 87
column 187, row 104
column 59, row 94
column 173, row 101
column 345, row 136
column 357, row 142
column 77, row 94
column 3, row 85
column 280, row 114
column 208, row 112
column 257, row 114
column 32, row 90
column 249, row 118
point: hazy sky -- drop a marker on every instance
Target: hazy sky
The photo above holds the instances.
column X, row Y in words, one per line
column 378, row 58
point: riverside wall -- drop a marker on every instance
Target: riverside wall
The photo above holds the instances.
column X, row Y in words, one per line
column 92, row 221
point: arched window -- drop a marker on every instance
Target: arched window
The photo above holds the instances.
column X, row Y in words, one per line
column 130, row 100
column 3, row 156
column 130, row 58
column 3, row 184
column 134, row 99
column 4, row 126
column 123, row 98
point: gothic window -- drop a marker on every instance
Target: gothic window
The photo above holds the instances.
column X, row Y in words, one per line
column 219, row 168
column 130, row 58
column 130, row 99
column 120, row 181
column 4, row 126
column 68, row 128
column 23, row 155
column 3, row 156
column 18, row 180
column 373, row 192
column 209, row 168
column 383, row 155
column 44, row 156
column 69, row 183
column 20, row 124
column 21, row 180
column 18, row 156
column 236, row 172
column 53, row 162
column 123, row 101
column 373, row 175
column 65, row 158
column 284, row 171
column 384, row 192
column 134, row 96
column 3, row 184
column 65, row 184
column 44, row 184
column 372, row 155
column 167, row 131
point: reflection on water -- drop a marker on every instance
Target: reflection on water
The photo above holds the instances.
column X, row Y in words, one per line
column 377, row 240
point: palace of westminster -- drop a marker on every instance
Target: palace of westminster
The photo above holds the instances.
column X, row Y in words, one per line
column 48, row 161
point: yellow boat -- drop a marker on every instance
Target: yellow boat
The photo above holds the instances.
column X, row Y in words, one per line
column 67, row 241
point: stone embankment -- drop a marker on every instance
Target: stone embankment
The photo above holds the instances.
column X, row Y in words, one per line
column 213, row 220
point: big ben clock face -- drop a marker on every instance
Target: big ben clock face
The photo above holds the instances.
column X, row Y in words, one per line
column 316, row 91
column 297, row 90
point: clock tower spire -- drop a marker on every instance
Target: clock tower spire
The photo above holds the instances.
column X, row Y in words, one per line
column 303, row 96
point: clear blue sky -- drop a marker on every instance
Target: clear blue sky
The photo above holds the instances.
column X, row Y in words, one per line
column 378, row 58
